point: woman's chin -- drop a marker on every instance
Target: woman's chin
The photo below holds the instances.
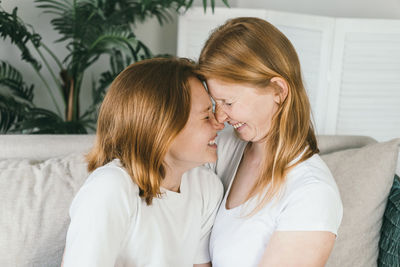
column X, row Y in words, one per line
column 243, row 136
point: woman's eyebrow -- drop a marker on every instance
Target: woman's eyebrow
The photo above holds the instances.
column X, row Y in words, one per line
column 221, row 99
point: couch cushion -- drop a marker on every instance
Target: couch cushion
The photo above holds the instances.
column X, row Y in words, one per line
column 34, row 200
column 364, row 177
column 389, row 243
column 333, row 143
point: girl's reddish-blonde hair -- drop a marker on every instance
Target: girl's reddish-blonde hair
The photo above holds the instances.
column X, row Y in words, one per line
column 146, row 107
column 251, row 51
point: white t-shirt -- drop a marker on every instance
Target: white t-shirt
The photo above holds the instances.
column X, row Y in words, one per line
column 112, row 226
column 310, row 202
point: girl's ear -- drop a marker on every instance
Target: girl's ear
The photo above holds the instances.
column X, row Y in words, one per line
column 283, row 87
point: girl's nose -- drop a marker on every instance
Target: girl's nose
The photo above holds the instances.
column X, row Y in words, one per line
column 220, row 115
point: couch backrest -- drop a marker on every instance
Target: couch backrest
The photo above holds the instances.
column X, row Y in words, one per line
column 48, row 146
column 40, row 147
column 40, row 174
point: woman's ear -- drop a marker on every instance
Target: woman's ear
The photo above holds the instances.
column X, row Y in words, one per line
column 283, row 88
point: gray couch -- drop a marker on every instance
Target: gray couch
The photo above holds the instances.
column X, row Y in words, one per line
column 39, row 175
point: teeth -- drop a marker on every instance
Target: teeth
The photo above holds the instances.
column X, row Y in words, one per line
column 237, row 125
column 212, row 142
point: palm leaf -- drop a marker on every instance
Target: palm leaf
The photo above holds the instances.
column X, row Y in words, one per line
column 117, row 63
column 15, row 97
column 42, row 121
column 84, row 55
column 11, row 26
column 75, row 21
column 55, row 5
column 11, row 113
column 121, row 39
column 12, row 79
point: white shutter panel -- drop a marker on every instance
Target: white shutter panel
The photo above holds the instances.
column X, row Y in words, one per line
column 351, row 67
column 365, row 93
column 312, row 37
column 195, row 26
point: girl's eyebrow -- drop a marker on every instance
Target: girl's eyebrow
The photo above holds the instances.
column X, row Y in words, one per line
column 207, row 109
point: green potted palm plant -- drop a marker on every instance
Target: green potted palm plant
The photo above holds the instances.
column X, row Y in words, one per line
column 90, row 29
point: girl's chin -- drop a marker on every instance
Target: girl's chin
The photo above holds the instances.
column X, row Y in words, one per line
column 212, row 158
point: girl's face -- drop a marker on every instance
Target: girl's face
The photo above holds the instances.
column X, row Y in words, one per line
column 248, row 109
column 195, row 144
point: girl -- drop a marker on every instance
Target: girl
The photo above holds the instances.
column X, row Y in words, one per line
column 142, row 205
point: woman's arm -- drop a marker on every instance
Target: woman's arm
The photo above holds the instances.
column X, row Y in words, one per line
column 203, row 265
column 298, row 248
column 62, row 261
column 306, row 227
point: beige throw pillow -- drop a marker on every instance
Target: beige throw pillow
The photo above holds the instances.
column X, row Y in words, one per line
column 34, row 203
column 364, row 177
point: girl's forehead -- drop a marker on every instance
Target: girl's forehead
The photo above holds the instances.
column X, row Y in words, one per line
column 201, row 101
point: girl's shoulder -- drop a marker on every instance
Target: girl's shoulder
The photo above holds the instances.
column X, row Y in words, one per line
column 107, row 185
column 205, row 181
column 112, row 176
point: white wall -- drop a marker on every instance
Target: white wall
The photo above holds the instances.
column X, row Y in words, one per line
column 164, row 39
column 384, row 9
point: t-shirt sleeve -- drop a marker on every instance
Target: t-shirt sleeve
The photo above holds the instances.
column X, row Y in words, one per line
column 100, row 217
column 314, row 207
column 215, row 193
column 211, row 166
column 229, row 151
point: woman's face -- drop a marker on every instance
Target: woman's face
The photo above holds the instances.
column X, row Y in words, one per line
column 248, row 109
column 195, row 144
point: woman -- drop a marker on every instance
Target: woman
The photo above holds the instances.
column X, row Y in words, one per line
column 141, row 206
column 281, row 206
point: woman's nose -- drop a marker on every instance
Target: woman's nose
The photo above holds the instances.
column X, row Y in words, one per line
column 217, row 125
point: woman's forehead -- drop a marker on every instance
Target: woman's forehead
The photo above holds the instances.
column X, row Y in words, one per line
column 222, row 90
column 219, row 88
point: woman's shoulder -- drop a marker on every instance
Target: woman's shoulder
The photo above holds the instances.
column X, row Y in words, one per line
column 227, row 139
column 311, row 199
column 311, row 171
column 312, row 182
column 230, row 150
